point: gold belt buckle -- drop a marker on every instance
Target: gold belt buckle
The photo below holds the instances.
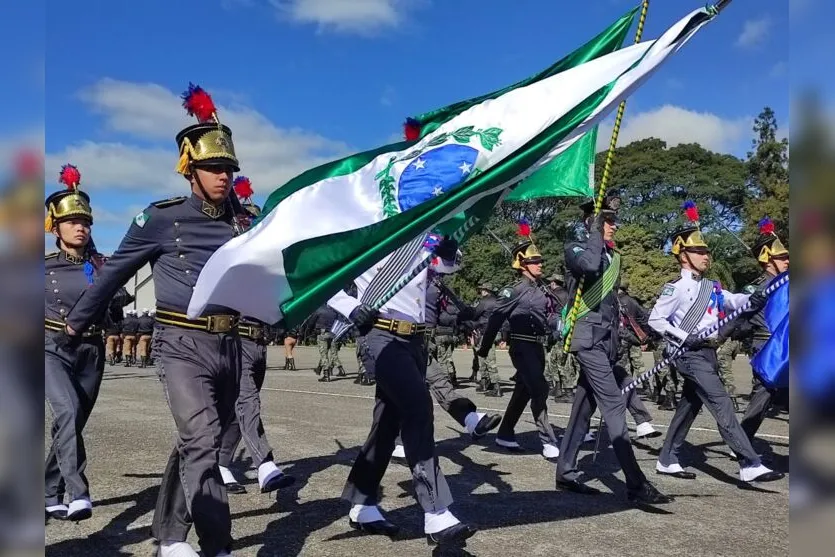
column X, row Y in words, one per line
column 219, row 323
column 405, row 328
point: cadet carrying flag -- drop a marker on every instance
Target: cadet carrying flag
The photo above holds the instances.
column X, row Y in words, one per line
column 328, row 225
column 771, row 363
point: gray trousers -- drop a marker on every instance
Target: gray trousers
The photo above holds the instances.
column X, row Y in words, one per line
column 702, row 386
column 402, row 404
column 71, row 387
column 529, row 360
column 599, row 385
column 636, row 407
column 247, row 423
column 448, row 398
column 200, row 373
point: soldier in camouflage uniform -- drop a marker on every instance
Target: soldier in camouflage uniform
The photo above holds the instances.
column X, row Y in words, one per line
column 487, row 365
column 561, row 368
column 328, row 349
column 726, row 354
column 666, row 381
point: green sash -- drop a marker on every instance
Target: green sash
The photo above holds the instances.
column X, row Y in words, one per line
column 592, row 297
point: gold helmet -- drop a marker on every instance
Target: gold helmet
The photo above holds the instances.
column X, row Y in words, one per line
column 768, row 245
column 690, row 236
column 525, row 252
column 207, row 143
column 68, row 203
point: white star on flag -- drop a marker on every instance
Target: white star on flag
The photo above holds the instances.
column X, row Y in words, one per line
column 420, row 163
column 438, row 191
column 465, row 167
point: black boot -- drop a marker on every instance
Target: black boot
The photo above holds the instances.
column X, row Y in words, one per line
column 453, row 380
column 317, row 370
column 291, row 362
column 358, row 380
column 326, row 376
column 286, row 364
column 495, row 390
column 340, row 371
column 474, row 376
column 482, row 385
column 127, row 361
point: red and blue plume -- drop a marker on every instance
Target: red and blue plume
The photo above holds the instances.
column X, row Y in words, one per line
column 524, row 228
column 199, row 103
column 411, row 129
column 243, row 187
column 70, row 176
column 766, row 226
column 691, row 211
column 432, row 241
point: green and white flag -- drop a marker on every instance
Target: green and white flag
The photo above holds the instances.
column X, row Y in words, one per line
column 330, row 224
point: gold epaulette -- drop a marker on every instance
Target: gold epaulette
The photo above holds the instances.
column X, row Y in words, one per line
column 169, row 202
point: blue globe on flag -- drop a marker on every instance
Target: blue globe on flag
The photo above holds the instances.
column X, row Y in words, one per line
column 434, row 173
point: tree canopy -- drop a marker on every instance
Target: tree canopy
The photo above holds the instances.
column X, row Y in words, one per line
column 654, row 180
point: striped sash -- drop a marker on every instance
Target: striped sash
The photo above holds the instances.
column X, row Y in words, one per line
column 697, row 310
column 395, row 267
column 592, row 297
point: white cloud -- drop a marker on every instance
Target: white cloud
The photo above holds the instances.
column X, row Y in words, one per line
column 754, row 31
column 778, row 70
column 151, row 115
column 674, row 83
column 676, row 125
column 388, row 96
column 347, row 16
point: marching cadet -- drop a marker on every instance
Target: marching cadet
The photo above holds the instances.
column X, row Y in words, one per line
column 773, row 258
column 526, row 307
column 144, row 332
column 595, row 341
column 725, row 355
column 290, row 338
column 394, row 336
column 247, row 422
column 462, row 409
column 73, row 372
column 489, row 384
column 113, row 338
column 686, row 307
column 130, row 326
column 199, row 360
column 328, row 349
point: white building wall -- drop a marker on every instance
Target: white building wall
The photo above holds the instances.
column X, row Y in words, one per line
column 141, row 286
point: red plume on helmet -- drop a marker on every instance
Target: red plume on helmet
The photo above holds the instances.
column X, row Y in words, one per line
column 766, row 226
column 70, row 176
column 243, row 187
column 411, row 129
column 199, row 103
column 524, row 228
column 691, row 212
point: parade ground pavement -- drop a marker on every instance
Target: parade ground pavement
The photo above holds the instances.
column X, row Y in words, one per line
column 317, row 428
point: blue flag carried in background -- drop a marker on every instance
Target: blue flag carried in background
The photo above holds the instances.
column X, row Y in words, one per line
column 771, row 363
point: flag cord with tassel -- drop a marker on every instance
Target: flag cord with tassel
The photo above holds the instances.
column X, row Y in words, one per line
column 604, row 182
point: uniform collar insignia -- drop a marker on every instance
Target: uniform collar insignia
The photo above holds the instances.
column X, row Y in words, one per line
column 74, row 259
column 212, row 211
column 686, row 273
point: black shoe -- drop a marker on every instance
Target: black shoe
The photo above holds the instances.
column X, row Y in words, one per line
column 482, row 385
column 340, row 371
column 770, row 476
column 576, row 487
column 60, row 514
column 292, row 364
column 454, row 381
column 286, row 364
column 326, row 376
column 317, row 370
column 668, row 404
column 368, row 381
column 80, row 515
column 473, row 378
column 649, row 495
column 235, row 488
column 278, row 482
column 486, row 424
column 513, row 377
column 376, row 528
column 454, row 536
column 358, row 379
column 683, row 475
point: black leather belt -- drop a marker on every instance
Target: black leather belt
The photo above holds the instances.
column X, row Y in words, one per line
column 400, row 328
column 210, row 323
column 538, row 339
column 60, row 327
column 251, row 332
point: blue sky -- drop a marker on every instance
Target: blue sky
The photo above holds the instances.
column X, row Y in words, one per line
column 304, row 81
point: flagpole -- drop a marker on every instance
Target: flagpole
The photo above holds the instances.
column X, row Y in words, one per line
column 604, row 182
column 702, row 335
